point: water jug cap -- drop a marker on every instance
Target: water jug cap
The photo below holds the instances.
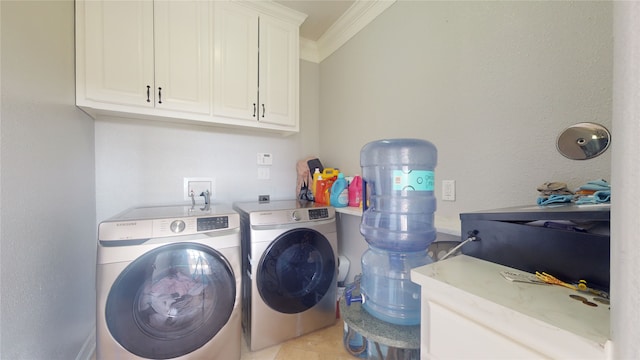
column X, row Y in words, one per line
column 398, row 152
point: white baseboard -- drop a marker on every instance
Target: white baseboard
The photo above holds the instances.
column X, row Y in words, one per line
column 89, row 347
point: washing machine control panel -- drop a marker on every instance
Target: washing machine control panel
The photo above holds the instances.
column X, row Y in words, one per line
column 202, row 224
column 192, row 225
column 213, row 223
column 156, row 222
column 316, row 214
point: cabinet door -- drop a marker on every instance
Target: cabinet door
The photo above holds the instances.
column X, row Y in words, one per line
column 278, row 82
column 443, row 329
column 235, row 75
column 181, row 37
column 116, row 52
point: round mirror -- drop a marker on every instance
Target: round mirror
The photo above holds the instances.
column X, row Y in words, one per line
column 583, row 141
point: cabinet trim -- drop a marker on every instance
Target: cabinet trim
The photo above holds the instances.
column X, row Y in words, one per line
column 359, row 15
column 275, row 10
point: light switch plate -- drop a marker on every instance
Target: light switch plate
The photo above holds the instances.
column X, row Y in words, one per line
column 263, row 173
column 449, row 190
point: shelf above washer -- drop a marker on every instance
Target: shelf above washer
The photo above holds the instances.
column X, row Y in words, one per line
column 350, row 210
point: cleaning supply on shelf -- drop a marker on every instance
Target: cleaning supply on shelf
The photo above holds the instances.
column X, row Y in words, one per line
column 329, row 173
column 327, row 191
column 314, row 180
column 339, row 196
column 321, row 189
column 355, row 191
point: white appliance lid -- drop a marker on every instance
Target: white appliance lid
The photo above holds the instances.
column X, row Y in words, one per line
column 274, row 205
column 172, row 211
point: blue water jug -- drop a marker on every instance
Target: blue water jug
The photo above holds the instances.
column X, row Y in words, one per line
column 389, row 294
column 398, row 196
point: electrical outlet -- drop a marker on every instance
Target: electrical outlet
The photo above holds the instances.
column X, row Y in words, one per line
column 197, row 186
column 449, row 190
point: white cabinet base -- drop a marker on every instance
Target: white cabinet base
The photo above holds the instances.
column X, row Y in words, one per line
column 451, row 335
column 470, row 311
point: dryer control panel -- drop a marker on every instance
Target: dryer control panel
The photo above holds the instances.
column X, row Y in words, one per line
column 283, row 217
column 310, row 214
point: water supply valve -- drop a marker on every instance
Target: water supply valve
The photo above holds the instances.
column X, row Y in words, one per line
column 349, row 297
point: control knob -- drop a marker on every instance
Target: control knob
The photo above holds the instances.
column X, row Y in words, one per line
column 177, row 226
column 296, row 216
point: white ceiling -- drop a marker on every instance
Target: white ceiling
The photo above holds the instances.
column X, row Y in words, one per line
column 321, row 14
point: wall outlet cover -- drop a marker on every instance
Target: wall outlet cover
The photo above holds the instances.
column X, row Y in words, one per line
column 198, row 185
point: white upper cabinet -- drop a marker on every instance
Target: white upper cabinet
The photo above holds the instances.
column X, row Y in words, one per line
column 279, row 80
column 235, row 74
column 161, row 60
column 114, row 52
column 256, row 66
column 182, row 55
column 137, row 55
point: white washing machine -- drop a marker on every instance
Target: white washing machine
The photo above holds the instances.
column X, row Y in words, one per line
column 289, row 263
column 168, row 284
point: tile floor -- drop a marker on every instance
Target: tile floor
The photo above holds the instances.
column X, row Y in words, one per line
column 323, row 344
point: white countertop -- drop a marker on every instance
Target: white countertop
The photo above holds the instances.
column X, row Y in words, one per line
column 542, row 315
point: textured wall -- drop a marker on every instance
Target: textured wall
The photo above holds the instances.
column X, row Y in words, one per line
column 625, row 248
column 144, row 162
column 490, row 83
column 48, row 188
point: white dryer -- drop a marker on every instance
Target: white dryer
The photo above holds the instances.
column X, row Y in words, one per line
column 168, row 284
column 289, row 262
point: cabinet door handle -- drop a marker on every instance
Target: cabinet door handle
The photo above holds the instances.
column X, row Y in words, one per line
column 263, row 110
column 148, row 93
column 254, row 109
column 159, row 95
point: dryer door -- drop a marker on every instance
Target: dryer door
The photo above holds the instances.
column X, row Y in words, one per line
column 171, row 301
column 296, row 271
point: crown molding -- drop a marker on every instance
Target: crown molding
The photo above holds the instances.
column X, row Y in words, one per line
column 359, row 15
column 309, row 50
column 274, row 9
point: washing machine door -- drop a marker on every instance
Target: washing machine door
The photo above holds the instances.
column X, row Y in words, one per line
column 171, row 301
column 296, row 271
